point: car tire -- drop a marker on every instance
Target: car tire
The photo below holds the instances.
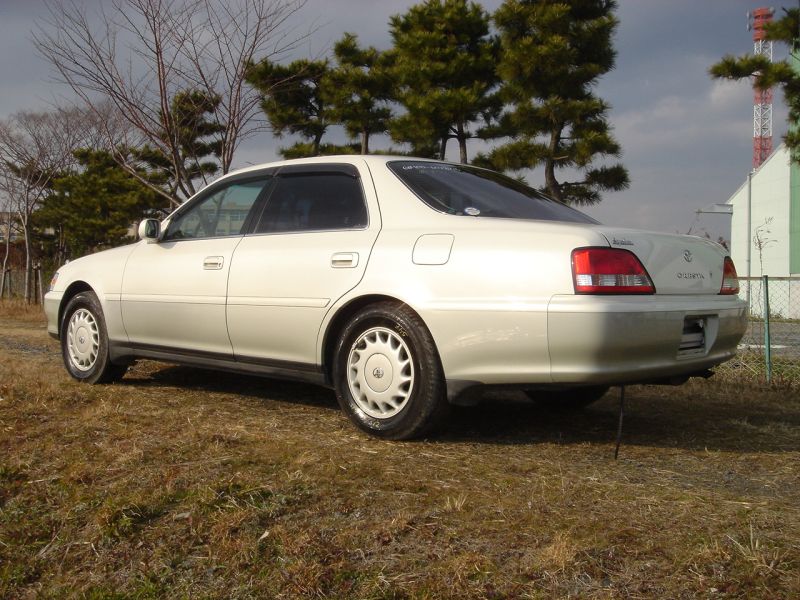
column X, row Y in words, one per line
column 387, row 373
column 84, row 341
column 568, row 400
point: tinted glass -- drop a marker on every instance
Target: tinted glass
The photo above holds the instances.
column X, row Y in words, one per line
column 314, row 202
column 221, row 214
column 462, row 190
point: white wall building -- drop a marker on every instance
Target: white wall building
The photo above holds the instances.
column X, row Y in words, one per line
column 765, row 231
column 767, row 193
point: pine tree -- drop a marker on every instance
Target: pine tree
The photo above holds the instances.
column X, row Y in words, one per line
column 444, row 70
column 93, row 208
column 767, row 74
column 359, row 88
column 197, row 139
column 294, row 101
column 552, row 54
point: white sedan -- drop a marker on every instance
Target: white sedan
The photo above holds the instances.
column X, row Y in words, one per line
column 404, row 284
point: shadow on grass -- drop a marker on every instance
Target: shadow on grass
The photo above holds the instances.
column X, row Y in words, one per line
column 668, row 418
column 252, row 386
column 699, row 418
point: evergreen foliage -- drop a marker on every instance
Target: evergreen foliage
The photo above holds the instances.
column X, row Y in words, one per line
column 552, row 55
column 767, row 74
column 192, row 128
column 359, row 88
column 295, row 102
column 306, row 149
column 94, row 208
column 443, row 67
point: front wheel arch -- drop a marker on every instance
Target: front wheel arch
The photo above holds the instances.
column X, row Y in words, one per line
column 74, row 288
column 84, row 340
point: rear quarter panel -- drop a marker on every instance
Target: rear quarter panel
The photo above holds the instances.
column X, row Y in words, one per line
column 486, row 306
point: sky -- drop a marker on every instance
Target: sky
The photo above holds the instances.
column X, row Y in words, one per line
column 686, row 139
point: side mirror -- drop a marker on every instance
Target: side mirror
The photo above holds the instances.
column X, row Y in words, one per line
column 150, row 230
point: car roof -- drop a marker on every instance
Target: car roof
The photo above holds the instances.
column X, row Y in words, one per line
column 369, row 159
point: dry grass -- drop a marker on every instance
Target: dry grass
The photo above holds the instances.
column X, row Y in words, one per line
column 19, row 310
column 186, row 483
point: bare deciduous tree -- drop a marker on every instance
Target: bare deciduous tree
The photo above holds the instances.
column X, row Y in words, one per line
column 140, row 53
column 35, row 147
column 762, row 241
column 7, row 230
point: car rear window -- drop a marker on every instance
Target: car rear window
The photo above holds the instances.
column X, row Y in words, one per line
column 469, row 191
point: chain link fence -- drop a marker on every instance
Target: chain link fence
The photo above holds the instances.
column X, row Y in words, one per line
column 770, row 350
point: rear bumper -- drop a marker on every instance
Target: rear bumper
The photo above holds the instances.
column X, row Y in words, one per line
column 620, row 340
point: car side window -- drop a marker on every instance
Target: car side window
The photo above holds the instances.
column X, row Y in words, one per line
column 314, row 202
column 222, row 213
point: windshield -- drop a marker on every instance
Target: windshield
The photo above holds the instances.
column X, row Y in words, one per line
column 463, row 190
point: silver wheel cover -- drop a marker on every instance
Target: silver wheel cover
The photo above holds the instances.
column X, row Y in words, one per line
column 380, row 373
column 83, row 339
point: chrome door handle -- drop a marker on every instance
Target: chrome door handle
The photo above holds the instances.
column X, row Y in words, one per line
column 213, row 263
column 344, row 260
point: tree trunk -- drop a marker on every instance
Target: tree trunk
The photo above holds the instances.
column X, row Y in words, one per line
column 61, row 247
column 443, row 148
column 365, row 142
column 316, row 143
column 39, row 285
column 462, row 143
column 5, row 260
column 28, row 263
column 550, row 180
column 26, row 236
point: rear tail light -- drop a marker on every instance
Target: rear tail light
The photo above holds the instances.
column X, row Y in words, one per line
column 609, row 271
column 730, row 280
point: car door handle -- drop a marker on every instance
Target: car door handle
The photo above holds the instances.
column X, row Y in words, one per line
column 344, row 260
column 213, row 263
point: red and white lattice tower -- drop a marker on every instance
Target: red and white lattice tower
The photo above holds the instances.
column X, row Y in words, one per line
column 762, row 99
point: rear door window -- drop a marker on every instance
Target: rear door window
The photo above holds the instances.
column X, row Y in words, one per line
column 314, row 201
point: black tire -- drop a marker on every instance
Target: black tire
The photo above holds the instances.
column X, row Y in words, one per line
column 422, row 403
column 85, row 347
column 568, row 400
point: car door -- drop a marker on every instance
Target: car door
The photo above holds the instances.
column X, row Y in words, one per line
column 173, row 291
column 309, row 247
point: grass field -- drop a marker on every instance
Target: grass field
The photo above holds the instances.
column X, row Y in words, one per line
column 178, row 482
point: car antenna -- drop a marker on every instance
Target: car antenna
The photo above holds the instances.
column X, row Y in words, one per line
column 621, row 416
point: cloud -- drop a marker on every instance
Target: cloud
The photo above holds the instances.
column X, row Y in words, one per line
column 730, row 95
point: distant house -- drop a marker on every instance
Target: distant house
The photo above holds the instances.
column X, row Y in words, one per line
column 771, row 233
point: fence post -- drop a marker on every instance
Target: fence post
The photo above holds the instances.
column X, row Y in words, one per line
column 767, row 341
column 39, row 285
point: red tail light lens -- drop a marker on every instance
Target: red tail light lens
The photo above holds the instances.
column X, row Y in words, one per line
column 609, row 271
column 730, row 280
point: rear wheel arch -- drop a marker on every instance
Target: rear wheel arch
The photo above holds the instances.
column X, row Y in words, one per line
column 340, row 320
column 387, row 372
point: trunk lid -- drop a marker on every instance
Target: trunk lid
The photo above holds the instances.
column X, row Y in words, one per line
column 677, row 264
